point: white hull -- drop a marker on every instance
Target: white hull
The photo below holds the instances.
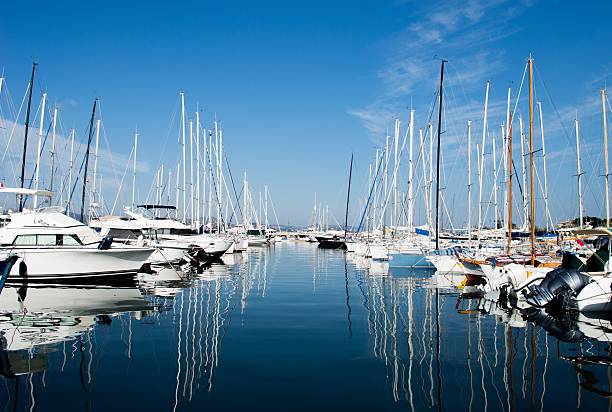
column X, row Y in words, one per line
column 596, row 296
column 257, row 241
column 211, row 246
column 164, row 255
column 379, row 252
column 445, row 264
column 77, row 262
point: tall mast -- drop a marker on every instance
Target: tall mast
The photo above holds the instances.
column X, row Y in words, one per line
column 369, row 205
column 266, row 207
column 25, row 139
column 509, row 128
column 423, row 154
column 481, row 168
column 89, row 137
column 394, row 220
column 191, row 188
column 95, row 171
column 160, row 184
column 53, row 148
column 579, row 174
column 430, row 181
column 198, row 191
column 469, row 185
column 220, row 222
column 505, row 131
column 216, row 181
column 546, row 211
column 438, row 155
column 348, row 197
column 158, row 177
column 204, row 174
column 40, row 133
column 531, row 165
column 607, row 174
column 410, row 174
column 375, row 202
column 210, row 180
column 168, row 185
column 71, row 168
column 176, row 189
column 524, row 171
column 496, row 215
column 245, row 202
column 314, row 212
column 184, row 164
column 134, row 170
column 386, row 174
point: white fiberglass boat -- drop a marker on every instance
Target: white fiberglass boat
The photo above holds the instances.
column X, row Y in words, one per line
column 52, row 246
column 130, row 231
column 165, row 228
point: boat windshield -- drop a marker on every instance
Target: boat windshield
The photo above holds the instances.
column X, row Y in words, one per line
column 47, row 240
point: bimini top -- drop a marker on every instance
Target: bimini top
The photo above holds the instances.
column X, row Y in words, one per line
column 24, row 191
column 170, row 207
column 156, row 223
column 115, row 222
column 597, row 231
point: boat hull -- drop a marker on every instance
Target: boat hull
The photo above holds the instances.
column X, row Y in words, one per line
column 409, row 260
column 76, row 263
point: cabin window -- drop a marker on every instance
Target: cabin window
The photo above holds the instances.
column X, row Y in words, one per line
column 25, row 240
column 123, row 234
column 182, row 232
column 70, row 240
column 46, row 240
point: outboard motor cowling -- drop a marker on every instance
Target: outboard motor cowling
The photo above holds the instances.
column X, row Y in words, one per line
column 556, row 282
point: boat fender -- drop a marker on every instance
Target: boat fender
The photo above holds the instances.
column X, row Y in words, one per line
column 23, row 269
column 554, row 284
column 105, row 243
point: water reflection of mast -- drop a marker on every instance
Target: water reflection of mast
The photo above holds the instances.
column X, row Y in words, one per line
column 178, row 358
column 410, row 346
column 544, row 375
column 482, row 371
column 348, row 304
column 469, row 359
column 439, row 376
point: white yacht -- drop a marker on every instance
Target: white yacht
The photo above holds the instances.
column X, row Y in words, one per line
column 128, row 230
column 166, row 228
column 52, row 246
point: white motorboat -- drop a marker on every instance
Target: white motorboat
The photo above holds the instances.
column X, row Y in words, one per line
column 257, row 237
column 128, row 230
column 52, row 246
column 166, row 228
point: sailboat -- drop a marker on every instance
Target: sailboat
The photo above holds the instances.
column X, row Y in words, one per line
column 582, row 286
column 411, row 252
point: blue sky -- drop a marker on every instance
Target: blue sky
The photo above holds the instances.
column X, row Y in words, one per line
column 299, row 85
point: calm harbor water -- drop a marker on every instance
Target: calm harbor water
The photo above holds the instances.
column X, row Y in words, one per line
column 291, row 327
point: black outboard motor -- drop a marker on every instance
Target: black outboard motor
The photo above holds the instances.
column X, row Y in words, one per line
column 560, row 281
column 105, row 243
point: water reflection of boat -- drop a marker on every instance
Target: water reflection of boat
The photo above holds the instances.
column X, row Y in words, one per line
column 32, row 318
column 403, row 272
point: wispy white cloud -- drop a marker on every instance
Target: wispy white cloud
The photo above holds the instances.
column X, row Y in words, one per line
column 463, row 32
